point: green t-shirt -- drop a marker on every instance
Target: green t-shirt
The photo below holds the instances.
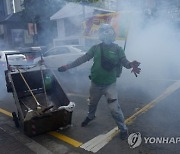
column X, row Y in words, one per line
column 98, row 74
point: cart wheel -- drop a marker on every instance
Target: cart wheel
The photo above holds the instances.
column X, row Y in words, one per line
column 15, row 119
column 9, row 87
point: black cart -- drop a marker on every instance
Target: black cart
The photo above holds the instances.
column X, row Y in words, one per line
column 41, row 103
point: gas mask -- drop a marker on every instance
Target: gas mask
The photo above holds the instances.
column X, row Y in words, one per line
column 106, row 34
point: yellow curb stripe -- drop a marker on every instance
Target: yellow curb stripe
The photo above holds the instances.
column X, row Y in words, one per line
column 55, row 134
column 6, row 112
column 168, row 91
column 65, row 139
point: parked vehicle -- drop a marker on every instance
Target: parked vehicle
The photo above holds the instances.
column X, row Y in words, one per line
column 63, row 50
column 12, row 58
column 61, row 55
column 33, row 52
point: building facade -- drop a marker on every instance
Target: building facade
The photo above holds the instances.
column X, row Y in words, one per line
column 9, row 22
column 70, row 24
column 13, row 6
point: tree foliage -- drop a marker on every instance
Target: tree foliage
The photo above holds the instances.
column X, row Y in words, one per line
column 85, row 1
column 88, row 2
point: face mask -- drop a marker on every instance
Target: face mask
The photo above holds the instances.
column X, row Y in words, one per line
column 108, row 40
column 107, row 36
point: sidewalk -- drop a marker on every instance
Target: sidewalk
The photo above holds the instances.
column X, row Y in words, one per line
column 13, row 141
column 9, row 144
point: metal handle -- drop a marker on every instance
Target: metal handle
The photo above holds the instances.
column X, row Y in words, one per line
column 28, row 87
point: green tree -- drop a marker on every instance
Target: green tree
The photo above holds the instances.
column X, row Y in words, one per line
column 85, row 1
column 89, row 2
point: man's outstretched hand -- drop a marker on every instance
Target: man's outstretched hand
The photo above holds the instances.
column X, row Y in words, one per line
column 63, row 68
column 135, row 67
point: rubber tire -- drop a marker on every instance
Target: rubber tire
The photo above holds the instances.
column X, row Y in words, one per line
column 15, row 119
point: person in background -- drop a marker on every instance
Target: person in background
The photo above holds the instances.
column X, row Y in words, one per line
column 108, row 60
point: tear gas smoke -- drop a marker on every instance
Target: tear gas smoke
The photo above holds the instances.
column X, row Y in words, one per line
column 152, row 40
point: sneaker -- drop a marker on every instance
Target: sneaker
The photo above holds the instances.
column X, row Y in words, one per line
column 124, row 135
column 86, row 121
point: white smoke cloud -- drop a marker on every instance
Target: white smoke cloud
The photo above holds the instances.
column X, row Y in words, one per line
column 154, row 41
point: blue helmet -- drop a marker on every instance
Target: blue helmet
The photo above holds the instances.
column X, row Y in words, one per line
column 106, row 33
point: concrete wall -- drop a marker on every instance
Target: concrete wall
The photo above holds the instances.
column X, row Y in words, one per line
column 67, row 33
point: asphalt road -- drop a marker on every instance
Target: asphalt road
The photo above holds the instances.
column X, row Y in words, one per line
column 160, row 121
